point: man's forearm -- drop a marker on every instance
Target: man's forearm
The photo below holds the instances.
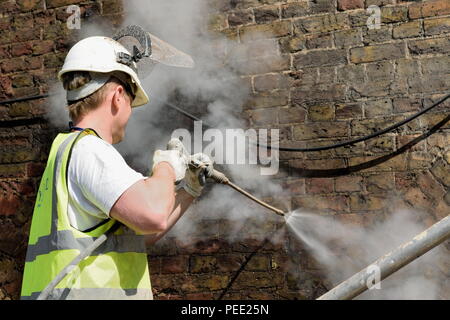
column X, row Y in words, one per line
column 182, row 202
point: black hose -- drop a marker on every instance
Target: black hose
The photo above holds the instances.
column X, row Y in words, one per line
column 311, row 149
column 333, row 146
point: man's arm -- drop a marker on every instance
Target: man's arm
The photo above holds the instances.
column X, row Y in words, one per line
column 182, row 202
column 147, row 205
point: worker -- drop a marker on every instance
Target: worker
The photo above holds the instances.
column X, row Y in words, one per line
column 87, row 189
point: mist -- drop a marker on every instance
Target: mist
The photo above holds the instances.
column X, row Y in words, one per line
column 344, row 249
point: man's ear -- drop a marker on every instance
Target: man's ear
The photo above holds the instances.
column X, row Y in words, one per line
column 118, row 98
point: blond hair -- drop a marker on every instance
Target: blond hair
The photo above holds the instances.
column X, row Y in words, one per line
column 77, row 79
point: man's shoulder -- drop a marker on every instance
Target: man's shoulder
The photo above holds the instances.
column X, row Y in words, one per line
column 94, row 144
column 93, row 148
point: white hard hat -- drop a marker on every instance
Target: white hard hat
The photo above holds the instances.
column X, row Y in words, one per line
column 101, row 56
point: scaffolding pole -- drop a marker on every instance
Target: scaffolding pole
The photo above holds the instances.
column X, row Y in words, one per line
column 391, row 262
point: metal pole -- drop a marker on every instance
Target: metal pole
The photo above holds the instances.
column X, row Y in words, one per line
column 392, row 262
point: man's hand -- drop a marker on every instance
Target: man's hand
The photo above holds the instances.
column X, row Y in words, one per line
column 198, row 168
column 177, row 158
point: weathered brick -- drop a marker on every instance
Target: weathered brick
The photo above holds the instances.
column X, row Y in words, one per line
column 293, row 44
column 320, row 58
column 380, row 183
column 202, row 264
column 29, row 5
column 394, row 14
column 264, row 31
column 22, row 80
column 238, row 18
column 321, row 6
column 349, row 184
column 436, row 26
column 294, row 9
column 292, row 115
column 263, row 65
column 322, row 203
column 364, row 126
column 406, row 105
column 269, row 82
column 351, row 74
column 315, row 164
column 438, row 65
column 268, row 99
column 318, row 93
column 379, row 2
column 320, row 130
column 264, row 116
column 378, row 107
column 407, row 30
column 21, row 64
column 259, row 262
column 349, row 111
column 380, row 70
column 430, row 186
column 319, row 41
column 373, row 36
column 426, row 46
column 321, row 113
column 348, row 38
column 266, row 14
column 323, row 23
column 377, row 53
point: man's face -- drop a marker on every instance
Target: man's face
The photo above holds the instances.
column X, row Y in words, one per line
column 122, row 116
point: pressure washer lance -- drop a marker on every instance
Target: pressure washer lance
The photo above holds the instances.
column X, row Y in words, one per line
column 221, row 178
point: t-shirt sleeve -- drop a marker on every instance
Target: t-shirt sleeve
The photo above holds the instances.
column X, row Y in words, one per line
column 101, row 172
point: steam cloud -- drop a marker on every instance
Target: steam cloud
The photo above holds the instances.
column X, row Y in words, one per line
column 343, row 250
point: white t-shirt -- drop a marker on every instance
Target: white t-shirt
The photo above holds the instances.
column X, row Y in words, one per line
column 97, row 177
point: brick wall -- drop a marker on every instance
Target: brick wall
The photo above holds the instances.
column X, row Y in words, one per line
column 328, row 78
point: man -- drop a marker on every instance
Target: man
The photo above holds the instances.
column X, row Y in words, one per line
column 88, row 190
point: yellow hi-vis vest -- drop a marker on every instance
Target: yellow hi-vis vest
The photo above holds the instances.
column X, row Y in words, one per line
column 118, row 269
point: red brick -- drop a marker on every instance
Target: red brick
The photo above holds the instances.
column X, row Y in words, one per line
column 367, row 202
column 35, row 169
column 178, row 264
column 417, row 199
column 9, row 204
column 319, row 185
column 200, row 296
column 61, row 3
column 296, row 186
column 350, row 4
column 429, row 9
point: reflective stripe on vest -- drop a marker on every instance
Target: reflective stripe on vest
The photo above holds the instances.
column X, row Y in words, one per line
column 118, row 269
